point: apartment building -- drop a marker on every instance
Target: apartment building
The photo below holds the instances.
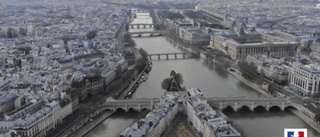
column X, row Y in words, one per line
column 306, row 79
column 157, row 121
column 269, row 67
column 205, row 119
column 239, row 46
column 36, row 118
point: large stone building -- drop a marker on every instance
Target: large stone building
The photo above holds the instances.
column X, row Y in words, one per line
column 207, row 121
column 239, row 46
column 306, row 79
column 269, row 67
column 88, row 81
column 195, row 35
column 82, row 86
column 36, row 118
column 7, row 102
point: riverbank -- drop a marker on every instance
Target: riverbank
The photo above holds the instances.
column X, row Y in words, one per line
column 125, row 91
column 86, row 128
column 306, row 119
column 247, row 82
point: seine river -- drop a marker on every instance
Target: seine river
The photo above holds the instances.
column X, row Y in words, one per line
column 213, row 81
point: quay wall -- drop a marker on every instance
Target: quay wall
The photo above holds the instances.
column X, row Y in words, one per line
column 86, row 128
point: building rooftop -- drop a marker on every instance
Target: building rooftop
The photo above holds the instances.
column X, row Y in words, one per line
column 26, row 109
column 142, row 127
column 6, row 97
column 209, row 116
column 312, row 68
column 33, row 118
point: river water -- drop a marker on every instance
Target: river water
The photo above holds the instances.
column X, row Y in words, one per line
column 213, row 81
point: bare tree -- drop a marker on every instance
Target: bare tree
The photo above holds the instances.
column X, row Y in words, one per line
column 128, row 39
column 173, row 83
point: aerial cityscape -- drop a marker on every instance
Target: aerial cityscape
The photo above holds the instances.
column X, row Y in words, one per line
column 155, row 68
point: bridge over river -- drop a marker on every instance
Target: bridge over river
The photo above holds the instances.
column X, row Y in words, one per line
column 184, row 55
column 151, row 33
column 235, row 103
column 143, row 25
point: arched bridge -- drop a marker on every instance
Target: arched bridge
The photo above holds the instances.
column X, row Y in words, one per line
column 139, row 10
column 184, row 55
column 148, row 32
column 152, row 33
column 135, row 104
column 235, row 103
column 141, row 25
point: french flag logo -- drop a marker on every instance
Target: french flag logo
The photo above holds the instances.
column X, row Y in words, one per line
column 295, row 132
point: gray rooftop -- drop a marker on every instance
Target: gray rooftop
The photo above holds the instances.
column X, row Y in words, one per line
column 142, row 127
column 210, row 117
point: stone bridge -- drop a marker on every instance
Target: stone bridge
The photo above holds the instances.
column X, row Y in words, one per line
column 184, row 55
column 126, row 105
column 235, row 103
column 139, row 10
column 252, row 103
column 148, row 32
column 141, row 25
